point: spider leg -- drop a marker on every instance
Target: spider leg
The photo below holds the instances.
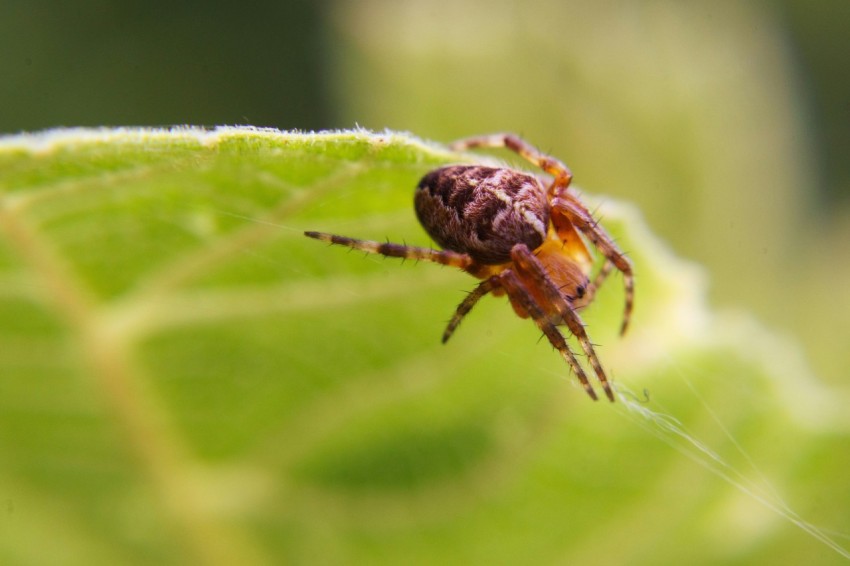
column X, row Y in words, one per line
column 569, row 206
column 518, row 292
column 444, row 257
column 466, row 305
column 604, row 271
column 554, row 167
column 530, row 267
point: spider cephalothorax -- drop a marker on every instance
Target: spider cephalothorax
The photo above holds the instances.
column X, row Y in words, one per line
column 521, row 237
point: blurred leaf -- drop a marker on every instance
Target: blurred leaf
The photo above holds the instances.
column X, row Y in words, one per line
column 185, row 377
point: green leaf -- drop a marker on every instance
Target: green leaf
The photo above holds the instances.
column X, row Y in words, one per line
column 185, row 377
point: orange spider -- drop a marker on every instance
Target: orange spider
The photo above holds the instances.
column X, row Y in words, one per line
column 520, row 237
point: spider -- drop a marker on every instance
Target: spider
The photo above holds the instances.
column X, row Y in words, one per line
column 522, row 236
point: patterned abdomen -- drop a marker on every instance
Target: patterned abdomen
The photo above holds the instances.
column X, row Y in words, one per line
column 482, row 211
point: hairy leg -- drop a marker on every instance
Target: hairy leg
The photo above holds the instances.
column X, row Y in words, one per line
column 531, row 270
column 443, row 257
column 597, row 282
column 466, row 305
column 518, row 292
column 575, row 211
column 554, row 167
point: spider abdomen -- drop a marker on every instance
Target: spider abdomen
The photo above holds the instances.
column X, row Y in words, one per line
column 482, row 211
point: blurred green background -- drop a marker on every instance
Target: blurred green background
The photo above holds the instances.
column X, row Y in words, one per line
column 725, row 122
